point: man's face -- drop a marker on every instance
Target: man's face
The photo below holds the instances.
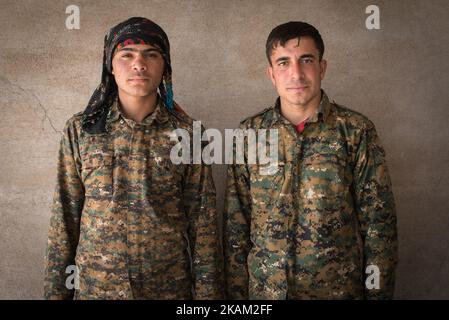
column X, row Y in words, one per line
column 296, row 72
column 138, row 70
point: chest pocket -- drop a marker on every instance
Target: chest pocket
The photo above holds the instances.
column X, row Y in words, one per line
column 324, row 190
column 325, row 169
column 97, row 175
column 163, row 175
column 268, row 184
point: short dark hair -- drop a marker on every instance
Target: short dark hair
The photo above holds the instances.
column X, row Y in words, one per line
column 292, row 30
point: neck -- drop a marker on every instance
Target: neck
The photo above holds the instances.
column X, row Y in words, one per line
column 137, row 108
column 296, row 114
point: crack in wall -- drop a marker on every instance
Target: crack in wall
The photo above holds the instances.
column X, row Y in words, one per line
column 29, row 92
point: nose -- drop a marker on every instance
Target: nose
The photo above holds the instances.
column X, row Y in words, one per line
column 139, row 63
column 297, row 71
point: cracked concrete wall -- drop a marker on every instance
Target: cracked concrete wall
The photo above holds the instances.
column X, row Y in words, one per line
column 397, row 76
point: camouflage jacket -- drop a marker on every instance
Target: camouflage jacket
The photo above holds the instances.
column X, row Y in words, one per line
column 310, row 230
column 135, row 225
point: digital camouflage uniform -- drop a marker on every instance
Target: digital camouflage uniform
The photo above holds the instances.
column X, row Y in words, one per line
column 136, row 225
column 310, row 230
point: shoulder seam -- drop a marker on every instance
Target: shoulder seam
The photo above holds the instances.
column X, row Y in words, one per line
column 252, row 117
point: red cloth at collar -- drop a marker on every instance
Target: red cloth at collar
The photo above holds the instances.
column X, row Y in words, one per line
column 300, row 126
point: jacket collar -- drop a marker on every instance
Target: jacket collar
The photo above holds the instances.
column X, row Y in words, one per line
column 160, row 113
column 322, row 113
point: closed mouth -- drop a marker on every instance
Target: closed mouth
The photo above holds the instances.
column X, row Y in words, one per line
column 297, row 88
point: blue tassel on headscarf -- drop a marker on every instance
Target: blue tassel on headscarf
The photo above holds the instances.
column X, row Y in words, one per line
column 169, row 96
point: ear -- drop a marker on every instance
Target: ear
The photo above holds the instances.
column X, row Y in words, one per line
column 323, row 67
column 270, row 75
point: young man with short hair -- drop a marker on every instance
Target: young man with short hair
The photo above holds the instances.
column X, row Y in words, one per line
column 323, row 226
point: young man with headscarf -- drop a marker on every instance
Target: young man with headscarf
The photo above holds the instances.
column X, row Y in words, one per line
column 135, row 225
column 323, row 225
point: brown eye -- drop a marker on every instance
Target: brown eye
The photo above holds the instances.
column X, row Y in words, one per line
column 153, row 55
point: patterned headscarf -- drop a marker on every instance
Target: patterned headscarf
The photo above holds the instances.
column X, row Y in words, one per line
column 132, row 31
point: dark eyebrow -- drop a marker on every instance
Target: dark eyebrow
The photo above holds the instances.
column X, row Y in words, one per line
column 282, row 59
column 307, row 55
column 143, row 51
